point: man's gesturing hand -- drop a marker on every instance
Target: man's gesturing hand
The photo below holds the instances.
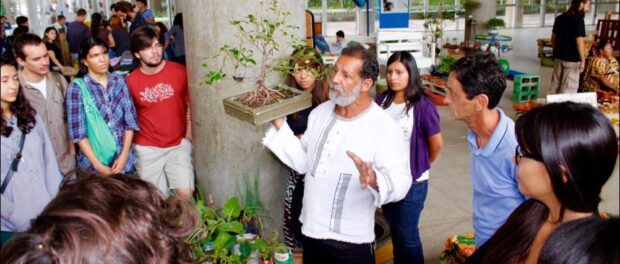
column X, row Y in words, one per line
column 367, row 174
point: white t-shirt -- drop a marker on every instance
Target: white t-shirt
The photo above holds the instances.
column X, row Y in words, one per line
column 41, row 86
column 404, row 121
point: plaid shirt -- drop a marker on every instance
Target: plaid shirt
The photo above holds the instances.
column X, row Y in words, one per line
column 115, row 106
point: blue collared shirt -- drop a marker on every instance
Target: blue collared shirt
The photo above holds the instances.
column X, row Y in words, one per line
column 493, row 178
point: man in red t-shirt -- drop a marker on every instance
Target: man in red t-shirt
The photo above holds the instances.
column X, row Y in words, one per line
column 159, row 92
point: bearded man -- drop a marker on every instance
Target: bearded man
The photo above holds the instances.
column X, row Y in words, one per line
column 355, row 159
column 159, row 91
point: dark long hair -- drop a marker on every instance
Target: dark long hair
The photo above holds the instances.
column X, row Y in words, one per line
column 178, row 20
column 588, row 240
column 56, row 42
column 320, row 90
column 96, row 22
column 21, row 108
column 118, row 219
column 85, row 47
column 578, row 148
column 414, row 91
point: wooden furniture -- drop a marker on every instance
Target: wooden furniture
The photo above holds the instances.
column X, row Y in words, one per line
column 608, row 30
column 390, row 41
column 310, row 31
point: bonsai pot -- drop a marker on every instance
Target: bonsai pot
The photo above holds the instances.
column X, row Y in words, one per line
column 263, row 114
column 493, row 32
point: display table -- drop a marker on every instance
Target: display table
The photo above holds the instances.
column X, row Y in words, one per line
column 496, row 41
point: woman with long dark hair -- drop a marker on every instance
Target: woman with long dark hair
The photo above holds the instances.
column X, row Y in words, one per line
column 307, row 74
column 113, row 102
column 52, row 43
column 566, row 153
column 29, row 171
column 406, row 102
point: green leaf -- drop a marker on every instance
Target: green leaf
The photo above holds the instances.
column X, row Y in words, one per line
column 232, row 207
column 245, row 249
column 231, row 227
column 259, row 244
column 224, row 241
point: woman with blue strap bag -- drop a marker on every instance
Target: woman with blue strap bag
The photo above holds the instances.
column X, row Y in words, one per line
column 29, row 172
column 100, row 113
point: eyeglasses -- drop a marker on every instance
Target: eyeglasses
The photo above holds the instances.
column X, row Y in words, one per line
column 518, row 155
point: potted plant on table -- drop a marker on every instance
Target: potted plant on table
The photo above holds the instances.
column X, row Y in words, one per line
column 266, row 32
column 493, row 24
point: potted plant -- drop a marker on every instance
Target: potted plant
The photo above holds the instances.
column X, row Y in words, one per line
column 282, row 255
column 220, row 231
column 266, row 31
column 493, row 24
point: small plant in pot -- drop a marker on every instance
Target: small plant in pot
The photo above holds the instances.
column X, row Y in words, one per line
column 282, row 255
column 493, row 24
column 220, row 236
column 260, row 36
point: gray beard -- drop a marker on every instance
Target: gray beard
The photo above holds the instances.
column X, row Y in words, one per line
column 344, row 99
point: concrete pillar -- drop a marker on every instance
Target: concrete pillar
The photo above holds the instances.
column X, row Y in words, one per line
column 179, row 5
column 224, row 147
column 518, row 13
column 486, row 11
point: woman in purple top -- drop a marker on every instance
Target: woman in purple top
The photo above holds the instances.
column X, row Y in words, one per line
column 406, row 102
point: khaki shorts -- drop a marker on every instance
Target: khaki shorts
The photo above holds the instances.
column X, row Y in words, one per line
column 166, row 168
column 565, row 78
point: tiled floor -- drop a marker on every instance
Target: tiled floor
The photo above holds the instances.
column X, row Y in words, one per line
column 448, row 205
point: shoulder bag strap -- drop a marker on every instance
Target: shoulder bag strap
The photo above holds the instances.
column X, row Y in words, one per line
column 14, row 164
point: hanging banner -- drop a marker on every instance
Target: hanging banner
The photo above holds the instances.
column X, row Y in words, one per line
column 393, row 13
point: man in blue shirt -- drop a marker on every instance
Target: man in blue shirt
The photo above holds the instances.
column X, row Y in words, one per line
column 475, row 87
column 144, row 16
column 76, row 32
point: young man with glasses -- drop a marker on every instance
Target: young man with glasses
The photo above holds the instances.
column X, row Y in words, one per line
column 475, row 87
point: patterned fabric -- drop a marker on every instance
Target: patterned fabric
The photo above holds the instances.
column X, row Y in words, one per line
column 292, row 208
column 114, row 104
column 457, row 249
column 601, row 67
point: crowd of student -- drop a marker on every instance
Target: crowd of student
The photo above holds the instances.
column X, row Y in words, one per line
column 102, row 123
column 76, row 158
column 63, row 38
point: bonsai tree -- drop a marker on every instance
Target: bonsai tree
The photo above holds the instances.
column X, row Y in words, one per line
column 263, row 31
column 495, row 23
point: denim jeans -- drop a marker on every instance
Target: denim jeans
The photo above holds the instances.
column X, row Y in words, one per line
column 320, row 42
column 403, row 217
